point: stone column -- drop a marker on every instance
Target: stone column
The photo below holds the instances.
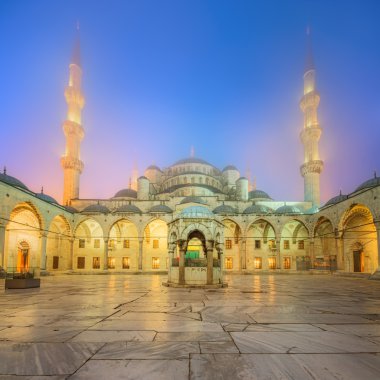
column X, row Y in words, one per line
column 141, row 243
column 311, row 253
column 243, row 254
column 181, row 267
column 221, row 261
column 71, row 255
column 2, row 246
column 339, row 251
column 278, row 256
column 377, row 225
column 210, row 262
column 43, row 241
column 170, row 256
column 105, row 255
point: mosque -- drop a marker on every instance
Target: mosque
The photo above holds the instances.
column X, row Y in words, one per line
column 191, row 219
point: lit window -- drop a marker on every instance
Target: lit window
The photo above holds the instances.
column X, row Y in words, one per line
column 81, row 262
column 272, row 262
column 82, row 243
column 111, row 263
column 126, row 243
column 96, row 262
column 257, row 244
column 301, row 244
column 272, row 244
column 125, row 262
column 229, row 263
column 287, row 262
column 112, row 244
column 156, row 243
column 258, row 263
column 155, row 263
column 96, row 243
column 286, row 244
column 228, row 244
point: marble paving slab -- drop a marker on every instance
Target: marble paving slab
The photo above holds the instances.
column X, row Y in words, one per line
column 193, row 337
column 353, row 329
column 147, row 350
column 301, row 342
column 44, row 358
column 133, row 370
column 113, row 336
column 282, row 367
column 218, row 347
column 38, row 334
column 282, row 327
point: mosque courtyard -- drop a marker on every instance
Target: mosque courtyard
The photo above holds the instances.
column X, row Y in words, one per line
column 132, row 327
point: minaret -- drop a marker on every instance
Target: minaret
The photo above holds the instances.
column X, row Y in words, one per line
column 72, row 127
column 311, row 133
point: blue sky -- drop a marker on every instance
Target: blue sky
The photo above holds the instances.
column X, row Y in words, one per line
column 161, row 76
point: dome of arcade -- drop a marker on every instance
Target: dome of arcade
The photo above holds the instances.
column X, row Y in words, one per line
column 71, row 209
column 258, row 194
column 160, row 209
column 375, row 181
column 196, row 212
column 46, row 198
column 339, row 198
column 225, row 210
column 193, row 199
column 130, row 209
column 126, row 193
column 258, row 209
column 4, row 177
column 96, row 209
column 288, row 210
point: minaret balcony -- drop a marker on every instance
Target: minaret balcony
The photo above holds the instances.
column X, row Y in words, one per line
column 310, row 100
column 68, row 162
column 315, row 166
column 312, row 133
column 72, row 128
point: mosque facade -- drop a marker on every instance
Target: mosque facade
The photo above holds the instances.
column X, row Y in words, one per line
column 189, row 216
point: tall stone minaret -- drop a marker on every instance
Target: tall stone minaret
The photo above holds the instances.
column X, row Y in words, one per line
column 311, row 133
column 72, row 127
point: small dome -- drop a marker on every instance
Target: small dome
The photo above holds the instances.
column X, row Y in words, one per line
column 224, row 210
column 288, row 210
column 230, row 167
column 126, row 193
column 143, row 177
column 161, row 209
column 71, row 209
column 339, row 198
column 196, row 212
column 193, row 199
column 258, row 194
column 375, row 181
column 12, row 181
column 242, row 179
column 46, row 198
column 132, row 209
column 153, row 167
column 96, row 208
column 257, row 209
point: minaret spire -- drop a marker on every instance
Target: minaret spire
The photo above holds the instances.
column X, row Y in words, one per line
column 311, row 133
column 72, row 127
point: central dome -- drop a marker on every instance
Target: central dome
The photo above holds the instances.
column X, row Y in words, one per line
column 192, row 160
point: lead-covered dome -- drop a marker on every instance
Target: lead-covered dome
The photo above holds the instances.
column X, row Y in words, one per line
column 160, row 209
column 126, row 193
column 130, row 209
column 4, row 177
column 230, row 167
column 258, row 194
column 339, row 198
column 288, row 210
column 225, row 210
column 375, row 181
column 196, row 212
column 257, row 209
column 96, row 209
column 193, row 199
column 71, row 209
column 46, row 198
column 192, row 160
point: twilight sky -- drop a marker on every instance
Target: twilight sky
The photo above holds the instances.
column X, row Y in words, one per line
column 161, row 76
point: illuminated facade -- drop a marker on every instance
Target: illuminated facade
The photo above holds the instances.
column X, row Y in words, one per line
column 188, row 216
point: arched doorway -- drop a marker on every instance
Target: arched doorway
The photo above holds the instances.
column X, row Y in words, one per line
column 155, row 244
column 23, row 257
column 324, row 250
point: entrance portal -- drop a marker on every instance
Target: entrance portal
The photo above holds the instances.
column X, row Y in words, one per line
column 23, row 257
column 358, row 261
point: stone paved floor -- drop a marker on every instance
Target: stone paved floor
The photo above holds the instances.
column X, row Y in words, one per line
column 131, row 327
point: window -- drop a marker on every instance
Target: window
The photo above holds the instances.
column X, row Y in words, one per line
column 155, row 263
column 95, row 262
column 272, row 262
column 301, row 244
column 55, row 262
column 258, row 263
column 81, row 262
column 125, row 262
column 257, row 244
column 126, row 243
column 112, row 244
column 228, row 244
column 287, row 262
column 229, row 263
column 82, row 243
column 97, row 243
column 272, row 244
column 286, row 244
column 111, row 263
column 156, row 243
